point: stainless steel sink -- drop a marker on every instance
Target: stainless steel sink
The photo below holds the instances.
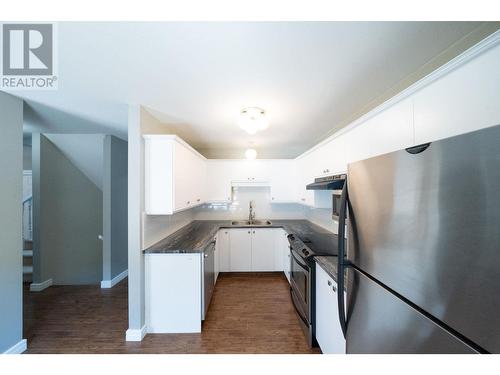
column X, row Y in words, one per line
column 253, row 223
column 261, row 222
column 240, row 222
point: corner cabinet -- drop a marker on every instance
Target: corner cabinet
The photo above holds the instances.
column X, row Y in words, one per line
column 175, row 175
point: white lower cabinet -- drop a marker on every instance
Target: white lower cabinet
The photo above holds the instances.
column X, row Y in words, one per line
column 222, row 246
column 264, row 249
column 216, row 261
column 173, row 293
column 240, row 250
column 249, row 250
column 285, row 253
column 328, row 330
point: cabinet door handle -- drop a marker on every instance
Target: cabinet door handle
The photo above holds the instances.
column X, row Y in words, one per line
column 248, row 232
column 334, row 289
column 329, row 283
column 253, row 232
column 188, row 202
column 198, row 200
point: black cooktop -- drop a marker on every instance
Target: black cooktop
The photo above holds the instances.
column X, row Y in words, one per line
column 309, row 247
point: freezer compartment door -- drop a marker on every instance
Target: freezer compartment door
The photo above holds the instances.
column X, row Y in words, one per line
column 381, row 323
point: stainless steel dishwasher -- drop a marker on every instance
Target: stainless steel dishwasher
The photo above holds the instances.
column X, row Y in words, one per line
column 208, row 280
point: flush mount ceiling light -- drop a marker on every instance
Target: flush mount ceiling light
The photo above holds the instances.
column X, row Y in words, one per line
column 251, row 154
column 253, row 119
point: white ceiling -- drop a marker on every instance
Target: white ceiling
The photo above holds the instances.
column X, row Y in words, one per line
column 309, row 77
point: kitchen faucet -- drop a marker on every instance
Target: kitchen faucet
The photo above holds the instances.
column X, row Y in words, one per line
column 251, row 215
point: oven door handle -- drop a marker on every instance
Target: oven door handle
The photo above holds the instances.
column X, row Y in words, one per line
column 297, row 309
column 300, row 262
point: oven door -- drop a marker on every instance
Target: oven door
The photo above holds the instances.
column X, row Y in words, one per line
column 300, row 279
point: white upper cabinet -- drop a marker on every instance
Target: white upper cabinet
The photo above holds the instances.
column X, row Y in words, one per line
column 278, row 174
column 282, row 177
column 357, row 143
column 390, row 130
column 305, row 168
column 218, row 182
column 464, row 100
column 331, row 158
column 250, row 171
column 175, row 175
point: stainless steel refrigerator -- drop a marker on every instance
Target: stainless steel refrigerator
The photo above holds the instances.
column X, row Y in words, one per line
column 422, row 259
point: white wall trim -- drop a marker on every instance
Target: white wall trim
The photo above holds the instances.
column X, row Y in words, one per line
column 115, row 280
column 469, row 54
column 20, row 347
column 38, row 287
column 135, row 334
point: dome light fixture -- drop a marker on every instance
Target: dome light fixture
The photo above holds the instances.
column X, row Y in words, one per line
column 253, row 119
column 251, row 154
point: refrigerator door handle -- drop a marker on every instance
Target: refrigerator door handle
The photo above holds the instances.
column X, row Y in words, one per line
column 342, row 263
column 418, row 149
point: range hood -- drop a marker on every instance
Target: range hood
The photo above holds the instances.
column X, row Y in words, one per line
column 335, row 182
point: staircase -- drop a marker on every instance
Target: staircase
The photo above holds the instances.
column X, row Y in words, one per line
column 28, row 261
column 28, row 239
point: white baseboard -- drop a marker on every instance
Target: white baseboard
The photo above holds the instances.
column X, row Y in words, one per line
column 20, row 347
column 38, row 287
column 135, row 334
column 115, row 280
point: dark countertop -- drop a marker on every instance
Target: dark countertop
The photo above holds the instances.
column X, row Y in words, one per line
column 191, row 238
column 195, row 236
column 329, row 264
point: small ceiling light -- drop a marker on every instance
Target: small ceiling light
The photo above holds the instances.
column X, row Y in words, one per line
column 251, row 154
column 253, row 119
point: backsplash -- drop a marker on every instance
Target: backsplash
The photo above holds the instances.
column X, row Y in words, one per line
column 239, row 208
column 322, row 217
column 157, row 227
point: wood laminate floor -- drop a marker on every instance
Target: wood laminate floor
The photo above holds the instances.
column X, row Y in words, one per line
column 249, row 313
